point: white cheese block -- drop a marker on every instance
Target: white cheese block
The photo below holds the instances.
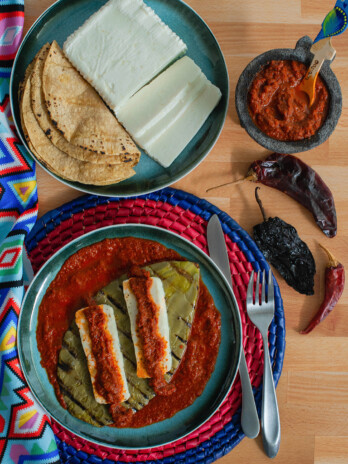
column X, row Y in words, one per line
column 158, row 297
column 168, row 147
column 116, row 356
column 122, row 47
column 155, row 100
column 166, row 114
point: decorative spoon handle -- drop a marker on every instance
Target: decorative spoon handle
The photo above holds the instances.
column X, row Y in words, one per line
column 335, row 22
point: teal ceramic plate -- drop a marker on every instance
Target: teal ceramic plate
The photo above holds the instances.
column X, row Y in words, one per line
column 185, row 421
column 65, row 16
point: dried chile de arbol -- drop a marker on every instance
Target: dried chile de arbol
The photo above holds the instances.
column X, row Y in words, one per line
column 283, row 248
column 298, row 180
column 334, row 285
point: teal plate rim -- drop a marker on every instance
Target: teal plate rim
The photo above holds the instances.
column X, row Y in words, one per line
column 185, row 421
column 203, row 48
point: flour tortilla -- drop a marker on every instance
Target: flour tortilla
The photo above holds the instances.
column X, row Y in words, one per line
column 39, row 107
column 59, row 162
column 78, row 111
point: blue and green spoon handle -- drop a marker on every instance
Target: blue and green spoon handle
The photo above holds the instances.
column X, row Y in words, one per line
column 335, row 21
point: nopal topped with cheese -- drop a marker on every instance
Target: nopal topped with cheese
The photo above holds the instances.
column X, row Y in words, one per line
column 122, row 47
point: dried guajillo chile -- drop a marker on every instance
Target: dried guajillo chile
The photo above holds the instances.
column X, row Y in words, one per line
column 334, row 285
column 298, row 180
column 283, row 248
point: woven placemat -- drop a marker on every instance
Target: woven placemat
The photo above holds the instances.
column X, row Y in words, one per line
column 187, row 216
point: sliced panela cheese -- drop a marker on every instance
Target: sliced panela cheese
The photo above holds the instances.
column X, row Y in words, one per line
column 166, row 114
column 168, row 147
column 155, row 100
column 115, row 358
column 122, row 47
column 158, row 297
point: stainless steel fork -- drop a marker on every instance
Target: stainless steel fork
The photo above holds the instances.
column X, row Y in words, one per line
column 261, row 315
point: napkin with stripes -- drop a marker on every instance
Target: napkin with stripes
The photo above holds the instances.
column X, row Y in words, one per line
column 25, row 432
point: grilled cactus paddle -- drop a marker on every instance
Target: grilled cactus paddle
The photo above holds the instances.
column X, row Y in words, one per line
column 75, row 381
column 181, row 286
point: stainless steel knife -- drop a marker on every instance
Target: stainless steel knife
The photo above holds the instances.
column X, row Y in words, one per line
column 218, row 253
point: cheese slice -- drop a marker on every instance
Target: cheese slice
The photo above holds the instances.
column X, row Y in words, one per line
column 115, row 357
column 122, row 47
column 158, row 297
column 154, row 101
column 166, row 114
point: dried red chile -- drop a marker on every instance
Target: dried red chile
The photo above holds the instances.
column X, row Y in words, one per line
column 334, row 286
column 283, row 248
column 298, row 180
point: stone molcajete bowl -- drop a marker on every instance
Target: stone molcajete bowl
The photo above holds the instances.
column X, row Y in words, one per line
column 300, row 53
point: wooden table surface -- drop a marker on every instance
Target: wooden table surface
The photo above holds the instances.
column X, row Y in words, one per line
column 312, row 391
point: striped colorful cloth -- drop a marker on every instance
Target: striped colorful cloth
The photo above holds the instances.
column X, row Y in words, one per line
column 25, row 432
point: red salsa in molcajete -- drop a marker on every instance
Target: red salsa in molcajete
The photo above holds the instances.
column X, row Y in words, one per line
column 89, row 270
column 279, row 108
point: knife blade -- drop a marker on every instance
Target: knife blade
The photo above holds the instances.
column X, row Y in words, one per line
column 218, row 253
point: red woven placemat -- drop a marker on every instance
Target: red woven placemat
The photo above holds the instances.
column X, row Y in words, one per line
column 187, row 216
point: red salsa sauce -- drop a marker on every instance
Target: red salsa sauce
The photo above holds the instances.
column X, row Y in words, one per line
column 108, row 380
column 279, row 108
column 194, row 371
column 152, row 344
column 89, row 270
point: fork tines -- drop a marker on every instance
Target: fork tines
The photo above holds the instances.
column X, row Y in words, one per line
column 265, row 296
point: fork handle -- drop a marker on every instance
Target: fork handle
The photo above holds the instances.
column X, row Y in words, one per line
column 270, row 423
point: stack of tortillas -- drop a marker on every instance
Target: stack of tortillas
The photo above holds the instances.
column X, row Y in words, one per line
column 67, row 125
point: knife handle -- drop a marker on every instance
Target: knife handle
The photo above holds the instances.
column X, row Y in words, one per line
column 218, row 253
column 250, row 419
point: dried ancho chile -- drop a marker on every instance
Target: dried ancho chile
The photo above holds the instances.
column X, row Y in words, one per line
column 298, row 180
column 334, row 286
column 283, row 248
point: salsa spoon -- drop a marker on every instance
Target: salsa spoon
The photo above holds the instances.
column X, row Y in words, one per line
column 322, row 50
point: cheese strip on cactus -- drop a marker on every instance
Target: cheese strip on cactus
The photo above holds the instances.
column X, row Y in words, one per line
column 156, row 294
column 98, row 333
column 166, row 114
column 121, row 47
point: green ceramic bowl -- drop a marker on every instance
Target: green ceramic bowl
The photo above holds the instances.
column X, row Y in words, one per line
column 65, row 16
column 185, row 421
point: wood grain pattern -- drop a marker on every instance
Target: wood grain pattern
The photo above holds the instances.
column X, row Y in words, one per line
column 333, row 450
column 312, row 392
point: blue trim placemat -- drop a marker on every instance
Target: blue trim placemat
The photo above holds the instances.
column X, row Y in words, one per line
column 187, row 215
